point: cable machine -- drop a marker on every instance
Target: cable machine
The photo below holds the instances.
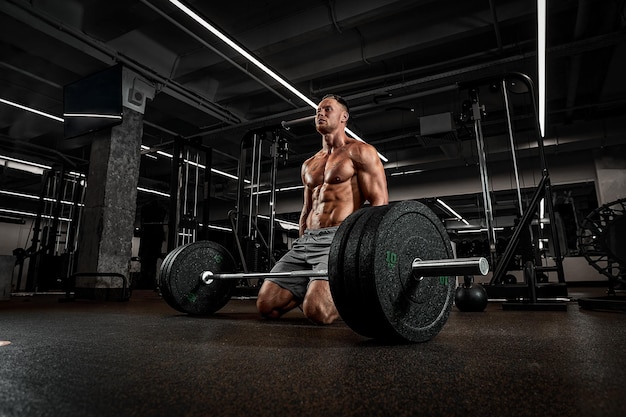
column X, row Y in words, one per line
column 190, row 185
column 259, row 148
column 526, row 296
column 55, row 228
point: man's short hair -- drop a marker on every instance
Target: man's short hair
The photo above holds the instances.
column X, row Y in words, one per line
column 339, row 100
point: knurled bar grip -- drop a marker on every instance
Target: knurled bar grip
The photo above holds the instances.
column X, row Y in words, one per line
column 450, row 267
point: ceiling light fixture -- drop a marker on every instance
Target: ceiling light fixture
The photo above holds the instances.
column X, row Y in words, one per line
column 284, row 223
column 36, row 197
column 39, row 112
column 254, row 61
column 541, row 62
column 213, row 170
column 21, row 195
column 413, row 171
column 221, row 228
column 294, row 187
column 454, row 213
column 94, row 115
column 25, row 213
column 31, row 167
column 463, row 231
column 155, row 192
column 22, row 165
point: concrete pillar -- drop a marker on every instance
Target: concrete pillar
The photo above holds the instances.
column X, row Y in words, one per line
column 611, row 174
column 108, row 220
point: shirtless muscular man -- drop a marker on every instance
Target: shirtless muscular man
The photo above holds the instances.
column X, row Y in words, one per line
column 337, row 180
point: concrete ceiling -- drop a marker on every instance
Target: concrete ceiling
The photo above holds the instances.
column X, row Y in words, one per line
column 396, row 62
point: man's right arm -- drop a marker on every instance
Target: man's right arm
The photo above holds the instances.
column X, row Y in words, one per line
column 308, row 202
column 306, row 209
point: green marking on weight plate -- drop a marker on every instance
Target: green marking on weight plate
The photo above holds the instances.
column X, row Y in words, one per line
column 192, row 297
column 443, row 280
column 392, row 259
column 218, row 259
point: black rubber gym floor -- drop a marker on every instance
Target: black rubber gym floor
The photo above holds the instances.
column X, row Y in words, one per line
column 142, row 358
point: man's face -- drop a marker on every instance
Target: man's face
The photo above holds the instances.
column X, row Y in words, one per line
column 330, row 116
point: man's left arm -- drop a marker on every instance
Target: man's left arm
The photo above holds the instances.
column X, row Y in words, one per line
column 371, row 177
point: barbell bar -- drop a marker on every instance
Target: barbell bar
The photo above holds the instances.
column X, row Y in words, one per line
column 450, row 267
column 435, row 267
column 207, row 276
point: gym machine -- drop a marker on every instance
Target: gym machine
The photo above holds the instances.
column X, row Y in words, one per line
column 190, row 184
column 602, row 243
column 524, row 296
column 256, row 146
column 55, row 228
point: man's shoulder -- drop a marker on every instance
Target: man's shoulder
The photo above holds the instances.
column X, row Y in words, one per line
column 360, row 147
column 319, row 154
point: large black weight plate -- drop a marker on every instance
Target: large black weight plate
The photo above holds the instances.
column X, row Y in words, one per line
column 345, row 285
column 179, row 278
column 358, row 301
column 412, row 309
column 162, row 280
column 337, row 270
column 377, row 326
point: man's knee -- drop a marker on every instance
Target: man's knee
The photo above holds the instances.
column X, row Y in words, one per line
column 318, row 305
column 273, row 300
column 265, row 300
column 265, row 307
column 319, row 314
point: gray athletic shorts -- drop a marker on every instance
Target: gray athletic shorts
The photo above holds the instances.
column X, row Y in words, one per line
column 309, row 251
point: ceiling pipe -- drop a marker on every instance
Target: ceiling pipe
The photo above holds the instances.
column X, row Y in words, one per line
column 404, row 73
column 496, row 24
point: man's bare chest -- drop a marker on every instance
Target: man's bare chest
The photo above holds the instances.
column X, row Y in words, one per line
column 332, row 170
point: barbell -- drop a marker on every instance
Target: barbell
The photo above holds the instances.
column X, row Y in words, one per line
column 420, row 269
column 389, row 270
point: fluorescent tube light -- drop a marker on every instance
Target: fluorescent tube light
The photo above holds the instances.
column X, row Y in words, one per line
column 23, row 165
column 25, row 213
column 20, row 195
column 295, row 187
column 241, row 51
column 541, row 62
column 454, row 213
column 284, row 223
column 149, row 191
column 39, row 112
column 213, row 170
column 36, row 197
column 462, row 231
column 414, row 171
column 94, row 115
column 220, row 228
column 254, row 61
